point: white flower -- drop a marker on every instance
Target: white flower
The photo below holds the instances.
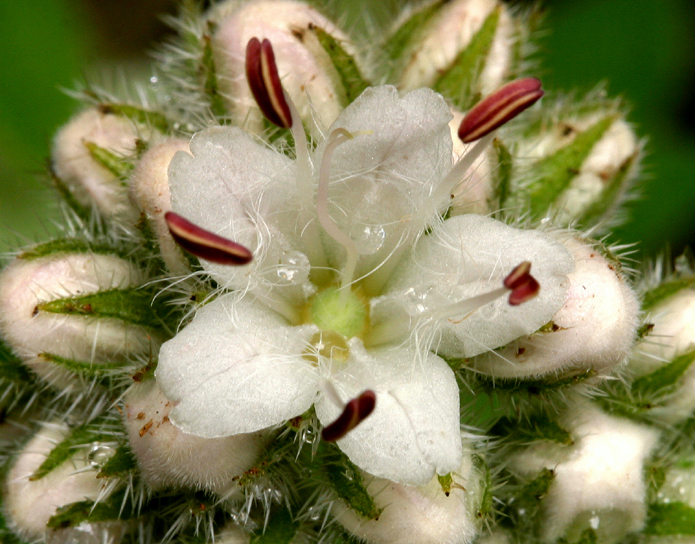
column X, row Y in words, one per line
column 356, row 284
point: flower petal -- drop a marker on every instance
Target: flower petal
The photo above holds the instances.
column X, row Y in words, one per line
column 468, row 255
column 402, row 148
column 414, row 431
column 236, row 368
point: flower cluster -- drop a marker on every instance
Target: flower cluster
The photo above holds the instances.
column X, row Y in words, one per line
column 294, row 305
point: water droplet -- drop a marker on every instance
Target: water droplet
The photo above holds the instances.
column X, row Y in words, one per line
column 99, row 454
column 368, row 239
column 154, row 80
column 293, row 268
column 594, row 521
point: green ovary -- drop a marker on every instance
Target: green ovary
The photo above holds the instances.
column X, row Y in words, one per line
column 342, row 312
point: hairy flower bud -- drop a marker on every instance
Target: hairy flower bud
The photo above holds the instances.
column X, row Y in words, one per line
column 309, row 51
column 594, row 329
column 418, row 515
column 89, row 159
column 462, row 49
column 57, row 311
column 30, row 501
column 167, row 456
column 149, row 191
column 598, row 481
column 577, row 168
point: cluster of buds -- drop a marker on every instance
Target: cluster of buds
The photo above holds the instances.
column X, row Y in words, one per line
column 294, row 305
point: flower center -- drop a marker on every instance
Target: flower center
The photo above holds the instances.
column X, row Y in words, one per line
column 341, row 311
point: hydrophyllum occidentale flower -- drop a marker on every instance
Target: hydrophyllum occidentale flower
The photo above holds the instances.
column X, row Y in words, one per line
column 358, row 287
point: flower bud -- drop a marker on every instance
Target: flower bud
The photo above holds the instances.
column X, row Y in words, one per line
column 594, row 329
column 598, row 481
column 576, row 168
column 418, row 515
column 314, row 58
column 464, row 51
column 89, row 159
column 29, row 502
column 167, row 456
column 56, row 311
column 149, row 191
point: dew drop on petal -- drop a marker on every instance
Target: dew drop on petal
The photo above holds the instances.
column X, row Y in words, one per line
column 369, row 239
column 293, row 268
column 99, row 454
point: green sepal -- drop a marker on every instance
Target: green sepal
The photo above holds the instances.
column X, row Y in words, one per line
column 67, row 245
column 598, row 209
column 536, row 388
column 446, row 482
column 11, row 367
column 664, row 379
column 352, row 82
column 72, row 515
column 539, row 427
column 138, row 115
column 502, row 174
column 487, row 499
column 120, row 464
column 588, row 536
column 85, row 369
column 118, row 166
column 135, row 305
column 280, row 529
column 209, row 75
column 458, row 81
column 666, row 290
column 80, row 210
column 673, row 518
column 399, row 46
column 521, row 512
column 554, row 173
column 346, row 480
column 65, row 449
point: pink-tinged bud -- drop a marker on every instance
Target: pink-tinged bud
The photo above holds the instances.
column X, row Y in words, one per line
column 355, row 412
column 264, row 82
column 523, row 285
column 205, row 244
column 149, row 191
column 499, row 108
column 167, row 456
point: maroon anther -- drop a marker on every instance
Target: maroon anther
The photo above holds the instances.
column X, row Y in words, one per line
column 498, row 108
column 264, row 81
column 205, row 244
column 522, row 284
column 355, row 412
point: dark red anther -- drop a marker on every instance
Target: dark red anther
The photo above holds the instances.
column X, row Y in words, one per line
column 522, row 284
column 499, row 108
column 205, row 244
column 355, row 412
column 264, row 81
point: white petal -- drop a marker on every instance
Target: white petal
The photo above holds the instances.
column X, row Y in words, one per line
column 401, row 149
column 414, row 431
column 236, row 368
column 469, row 255
column 235, row 188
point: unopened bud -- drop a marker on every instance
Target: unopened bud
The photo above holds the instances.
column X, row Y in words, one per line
column 598, row 482
column 47, row 315
column 29, row 502
column 311, row 55
column 167, row 456
column 462, row 49
column 594, row 329
column 90, row 158
column 149, row 191
column 417, row 515
column 577, row 168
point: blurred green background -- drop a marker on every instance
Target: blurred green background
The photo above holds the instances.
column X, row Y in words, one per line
column 643, row 50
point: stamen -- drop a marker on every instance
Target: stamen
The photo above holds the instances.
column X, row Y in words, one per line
column 205, row 244
column 523, row 285
column 264, row 81
column 499, row 108
column 337, row 137
column 355, row 412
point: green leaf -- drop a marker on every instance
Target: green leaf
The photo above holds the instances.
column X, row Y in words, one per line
column 351, row 79
column 11, row 367
column 458, row 82
column 211, row 84
column 666, row 290
column 502, row 174
column 121, row 463
column 539, row 427
column 521, row 512
column 73, row 514
column 280, row 529
column 663, row 379
column 134, row 305
column 66, row 245
column 554, row 173
column 118, row 166
column 80, row 210
column 674, row 518
column 138, row 115
column 347, row 481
